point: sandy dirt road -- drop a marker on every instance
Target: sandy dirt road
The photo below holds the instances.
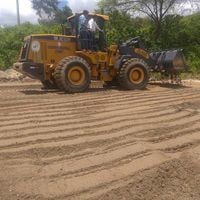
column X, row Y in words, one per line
column 102, row 144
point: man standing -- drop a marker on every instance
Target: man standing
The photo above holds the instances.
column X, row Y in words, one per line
column 83, row 29
column 92, row 25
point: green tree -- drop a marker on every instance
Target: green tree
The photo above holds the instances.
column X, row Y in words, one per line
column 183, row 32
column 120, row 27
column 156, row 10
column 49, row 11
column 190, row 40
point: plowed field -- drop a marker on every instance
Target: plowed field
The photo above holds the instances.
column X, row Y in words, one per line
column 101, row 144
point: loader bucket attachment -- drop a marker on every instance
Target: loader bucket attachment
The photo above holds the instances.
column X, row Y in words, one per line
column 172, row 61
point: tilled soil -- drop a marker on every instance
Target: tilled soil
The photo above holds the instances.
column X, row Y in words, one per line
column 101, row 144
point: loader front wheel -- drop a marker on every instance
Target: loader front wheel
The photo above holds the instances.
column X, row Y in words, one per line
column 73, row 74
column 134, row 74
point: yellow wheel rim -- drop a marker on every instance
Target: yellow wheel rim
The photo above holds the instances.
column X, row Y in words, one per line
column 76, row 75
column 136, row 75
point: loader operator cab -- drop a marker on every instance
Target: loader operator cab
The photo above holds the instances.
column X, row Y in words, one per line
column 100, row 41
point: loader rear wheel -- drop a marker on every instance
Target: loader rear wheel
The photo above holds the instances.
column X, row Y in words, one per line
column 73, row 74
column 134, row 74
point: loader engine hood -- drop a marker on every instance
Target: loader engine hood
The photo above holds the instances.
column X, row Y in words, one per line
column 39, row 52
column 41, row 48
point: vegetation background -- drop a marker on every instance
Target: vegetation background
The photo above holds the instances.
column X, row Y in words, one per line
column 177, row 32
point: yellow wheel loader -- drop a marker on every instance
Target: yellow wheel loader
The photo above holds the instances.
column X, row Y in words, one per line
column 59, row 62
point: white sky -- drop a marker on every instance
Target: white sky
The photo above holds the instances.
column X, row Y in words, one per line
column 8, row 10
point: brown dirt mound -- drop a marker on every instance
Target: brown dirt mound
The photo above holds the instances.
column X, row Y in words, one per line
column 10, row 75
column 178, row 179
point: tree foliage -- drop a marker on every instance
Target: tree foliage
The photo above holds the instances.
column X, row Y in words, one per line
column 49, row 11
column 156, row 10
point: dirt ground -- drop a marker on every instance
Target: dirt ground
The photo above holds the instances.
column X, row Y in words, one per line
column 102, row 144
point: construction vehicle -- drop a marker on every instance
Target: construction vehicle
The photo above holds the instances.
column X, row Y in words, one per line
column 59, row 62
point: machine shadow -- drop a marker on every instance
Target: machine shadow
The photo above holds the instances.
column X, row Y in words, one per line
column 37, row 92
column 170, row 85
column 44, row 92
column 90, row 90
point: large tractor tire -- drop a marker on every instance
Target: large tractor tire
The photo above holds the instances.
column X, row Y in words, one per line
column 73, row 74
column 49, row 85
column 134, row 74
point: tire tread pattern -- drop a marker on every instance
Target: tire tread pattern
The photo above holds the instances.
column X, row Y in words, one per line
column 123, row 78
column 59, row 74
